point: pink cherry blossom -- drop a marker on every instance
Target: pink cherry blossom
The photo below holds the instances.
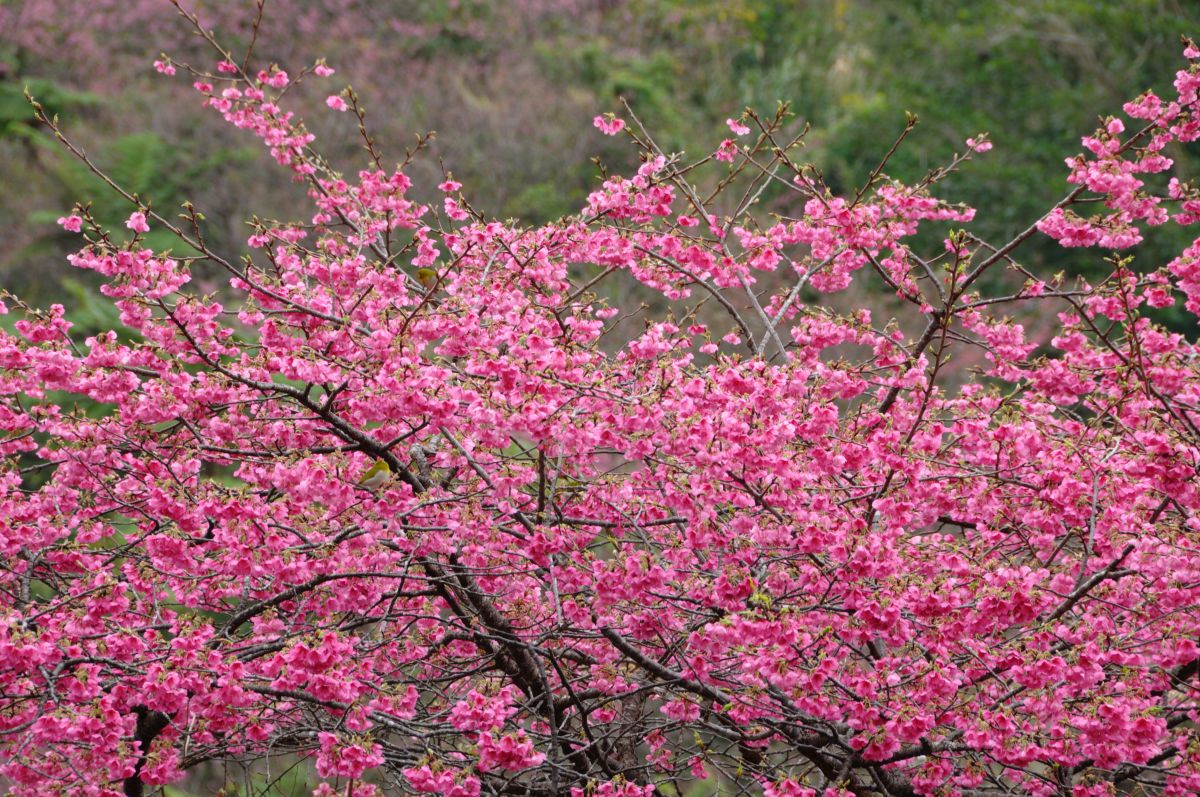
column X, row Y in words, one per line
column 978, row 145
column 137, row 222
column 609, row 125
column 947, row 546
column 738, row 128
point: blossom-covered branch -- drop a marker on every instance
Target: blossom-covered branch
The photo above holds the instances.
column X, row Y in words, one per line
column 754, row 540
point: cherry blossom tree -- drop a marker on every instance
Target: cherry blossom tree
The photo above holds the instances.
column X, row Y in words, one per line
column 756, row 541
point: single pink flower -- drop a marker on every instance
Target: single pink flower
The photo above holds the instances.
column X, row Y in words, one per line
column 71, row 223
column 737, row 127
column 137, row 222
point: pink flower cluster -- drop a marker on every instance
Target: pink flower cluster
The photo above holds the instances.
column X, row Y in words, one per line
column 747, row 534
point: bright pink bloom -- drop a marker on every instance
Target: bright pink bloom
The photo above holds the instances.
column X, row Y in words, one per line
column 137, row 222
column 609, row 125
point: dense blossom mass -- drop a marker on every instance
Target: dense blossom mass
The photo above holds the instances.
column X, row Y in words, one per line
column 755, row 541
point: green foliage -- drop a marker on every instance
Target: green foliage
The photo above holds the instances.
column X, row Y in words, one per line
column 17, row 119
column 293, row 779
column 159, row 174
column 146, row 165
column 92, row 313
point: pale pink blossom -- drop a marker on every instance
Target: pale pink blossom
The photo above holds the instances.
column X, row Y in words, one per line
column 737, row 127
